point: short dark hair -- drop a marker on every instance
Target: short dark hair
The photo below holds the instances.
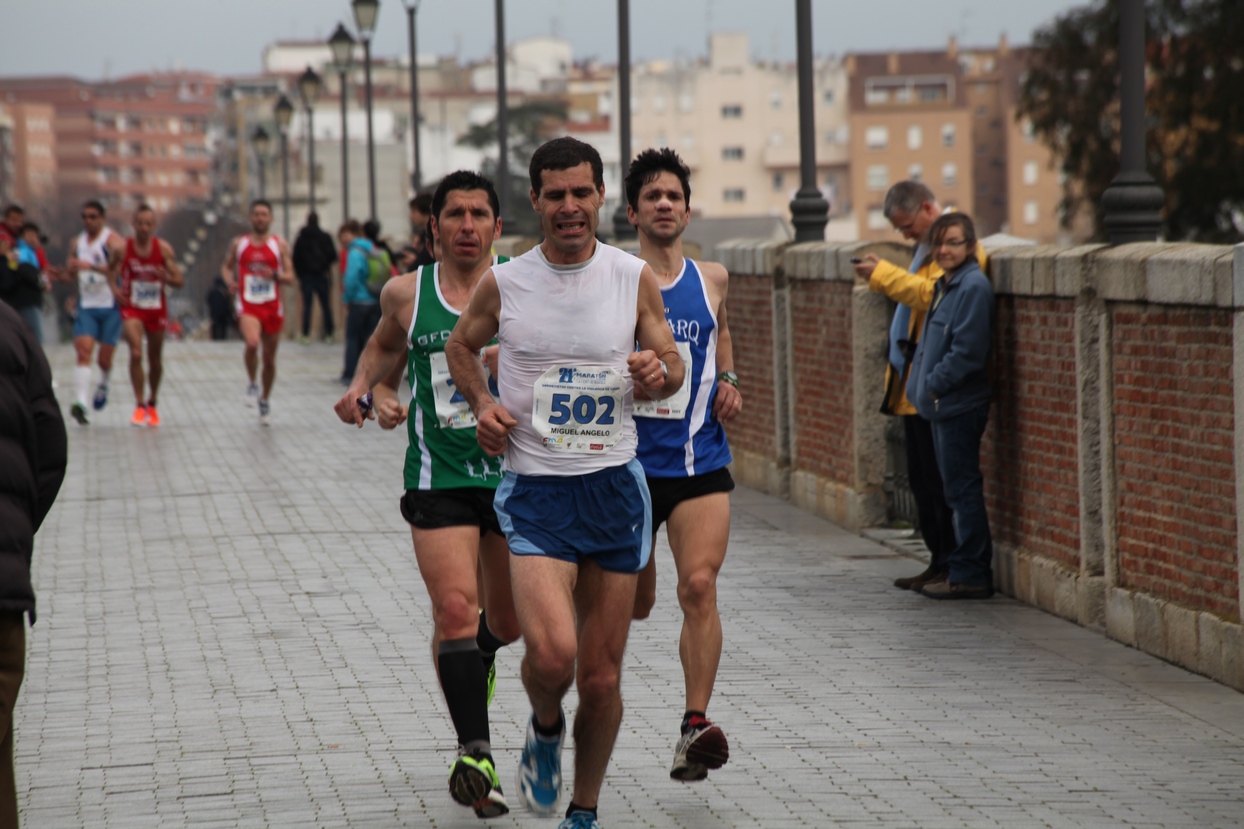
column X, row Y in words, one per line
column 651, row 163
column 943, row 224
column 562, row 154
column 906, row 198
column 371, row 229
column 144, row 208
column 14, row 208
column 95, row 204
column 29, row 226
column 422, row 202
column 313, row 219
column 350, row 226
column 261, row 203
column 462, row 180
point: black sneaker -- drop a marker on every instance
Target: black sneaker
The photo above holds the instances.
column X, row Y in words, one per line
column 702, row 747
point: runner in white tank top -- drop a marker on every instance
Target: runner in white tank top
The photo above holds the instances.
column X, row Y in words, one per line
column 573, row 504
column 96, row 256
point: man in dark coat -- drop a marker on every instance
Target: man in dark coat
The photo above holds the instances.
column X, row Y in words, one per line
column 314, row 254
column 32, row 466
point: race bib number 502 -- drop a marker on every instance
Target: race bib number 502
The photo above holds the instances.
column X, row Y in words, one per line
column 579, row 408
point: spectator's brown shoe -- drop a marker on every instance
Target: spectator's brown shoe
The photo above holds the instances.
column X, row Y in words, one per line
column 949, row 590
column 931, row 575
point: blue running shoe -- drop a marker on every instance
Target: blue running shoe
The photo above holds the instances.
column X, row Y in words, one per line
column 580, row 820
column 540, row 770
column 101, row 396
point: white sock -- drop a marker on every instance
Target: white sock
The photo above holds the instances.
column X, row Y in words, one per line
column 104, row 376
column 82, row 382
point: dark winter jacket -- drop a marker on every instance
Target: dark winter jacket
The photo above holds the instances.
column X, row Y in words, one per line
column 314, row 252
column 32, row 456
column 949, row 375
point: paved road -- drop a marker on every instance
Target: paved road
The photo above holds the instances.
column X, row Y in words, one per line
column 233, row 633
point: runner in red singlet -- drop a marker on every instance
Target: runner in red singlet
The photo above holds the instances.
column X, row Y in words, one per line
column 257, row 265
column 148, row 265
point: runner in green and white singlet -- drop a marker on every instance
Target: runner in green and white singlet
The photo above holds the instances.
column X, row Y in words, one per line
column 443, row 452
column 450, row 481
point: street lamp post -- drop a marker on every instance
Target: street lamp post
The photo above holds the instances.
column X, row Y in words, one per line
column 503, row 120
column 284, row 112
column 365, row 12
column 809, row 210
column 416, row 171
column 342, row 44
column 1133, row 202
column 622, row 227
column 261, row 142
column 309, row 85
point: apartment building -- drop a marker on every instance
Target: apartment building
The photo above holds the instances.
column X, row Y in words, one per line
column 736, row 123
column 949, row 118
column 28, row 158
column 142, row 138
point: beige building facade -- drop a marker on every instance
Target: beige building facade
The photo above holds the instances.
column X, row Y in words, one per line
column 736, row 123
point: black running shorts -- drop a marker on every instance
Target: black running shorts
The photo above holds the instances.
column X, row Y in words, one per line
column 434, row 509
column 668, row 493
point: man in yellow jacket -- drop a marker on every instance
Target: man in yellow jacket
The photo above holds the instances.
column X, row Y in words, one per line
column 911, row 208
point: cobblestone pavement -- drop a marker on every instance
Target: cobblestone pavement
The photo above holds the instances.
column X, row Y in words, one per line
column 233, row 632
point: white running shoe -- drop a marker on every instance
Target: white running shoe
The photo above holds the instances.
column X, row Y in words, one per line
column 252, row 394
column 263, row 413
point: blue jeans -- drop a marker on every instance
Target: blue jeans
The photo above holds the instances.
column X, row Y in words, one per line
column 361, row 321
column 957, row 442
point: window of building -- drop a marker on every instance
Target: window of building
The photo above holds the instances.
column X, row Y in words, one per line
column 982, row 111
column 876, row 95
column 915, row 137
column 1031, row 212
column 1030, row 172
column 658, row 104
column 775, row 99
column 827, row 97
column 902, row 95
column 948, row 135
column 877, row 138
column 1030, row 135
column 686, row 102
column 731, row 153
column 733, row 194
column 877, row 219
column 916, row 172
column 950, row 174
column 878, row 176
column 688, row 140
column 732, row 111
column 982, row 149
column 779, row 182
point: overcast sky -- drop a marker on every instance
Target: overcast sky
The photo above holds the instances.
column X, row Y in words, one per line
column 89, row 38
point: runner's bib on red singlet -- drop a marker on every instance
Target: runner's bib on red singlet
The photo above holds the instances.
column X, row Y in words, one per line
column 579, row 408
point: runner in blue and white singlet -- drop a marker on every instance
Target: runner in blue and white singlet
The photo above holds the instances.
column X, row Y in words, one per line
column 682, row 444
column 681, row 436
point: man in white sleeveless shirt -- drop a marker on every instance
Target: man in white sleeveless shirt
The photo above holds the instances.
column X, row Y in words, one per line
column 574, row 504
column 95, row 255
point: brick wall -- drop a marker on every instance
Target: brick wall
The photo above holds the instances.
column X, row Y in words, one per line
column 1174, row 454
column 751, row 332
column 1029, row 456
column 1112, row 458
column 821, row 353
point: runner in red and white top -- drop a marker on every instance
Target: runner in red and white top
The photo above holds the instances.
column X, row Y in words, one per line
column 148, row 265
column 257, row 265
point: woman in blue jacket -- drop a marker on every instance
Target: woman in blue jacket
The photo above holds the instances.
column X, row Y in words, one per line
column 949, row 386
